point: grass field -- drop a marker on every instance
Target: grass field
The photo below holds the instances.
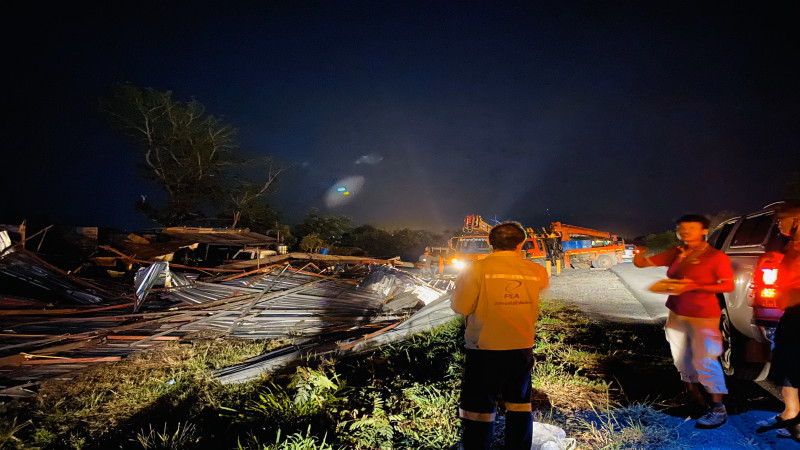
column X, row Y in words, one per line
column 587, row 380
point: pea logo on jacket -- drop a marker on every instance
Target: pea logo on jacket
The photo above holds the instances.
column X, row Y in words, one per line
column 512, row 286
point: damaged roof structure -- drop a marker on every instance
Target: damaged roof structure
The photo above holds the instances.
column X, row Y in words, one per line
column 324, row 304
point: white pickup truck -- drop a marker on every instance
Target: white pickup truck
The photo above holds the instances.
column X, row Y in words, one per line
column 747, row 326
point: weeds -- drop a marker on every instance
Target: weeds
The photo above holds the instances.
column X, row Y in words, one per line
column 314, row 393
column 8, row 431
column 94, row 404
column 183, row 437
column 296, row 441
column 372, row 428
column 403, row 395
column 430, row 418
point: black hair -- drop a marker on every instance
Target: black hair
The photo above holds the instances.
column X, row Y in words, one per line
column 506, row 236
column 697, row 218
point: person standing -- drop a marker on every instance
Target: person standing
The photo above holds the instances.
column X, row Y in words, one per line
column 692, row 327
column 499, row 295
column 785, row 370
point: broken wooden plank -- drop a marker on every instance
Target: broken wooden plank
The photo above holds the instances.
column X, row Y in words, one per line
column 115, row 337
column 71, row 360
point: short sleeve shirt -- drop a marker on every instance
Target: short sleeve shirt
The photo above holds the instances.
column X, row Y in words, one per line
column 704, row 267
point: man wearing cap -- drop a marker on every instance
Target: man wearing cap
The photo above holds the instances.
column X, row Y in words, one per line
column 499, row 296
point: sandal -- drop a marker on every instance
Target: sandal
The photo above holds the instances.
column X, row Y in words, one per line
column 776, row 422
column 790, row 432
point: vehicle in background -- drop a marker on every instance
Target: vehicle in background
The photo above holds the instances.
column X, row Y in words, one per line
column 560, row 244
column 627, row 254
column 749, row 317
column 574, row 246
column 472, row 245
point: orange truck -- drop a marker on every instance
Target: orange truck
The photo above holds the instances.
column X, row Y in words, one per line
column 560, row 244
column 574, row 246
column 471, row 245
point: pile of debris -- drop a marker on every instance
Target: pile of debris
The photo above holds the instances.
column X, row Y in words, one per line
column 55, row 322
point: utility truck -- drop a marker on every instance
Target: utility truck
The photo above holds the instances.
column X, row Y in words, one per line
column 471, row 245
column 574, row 246
column 560, row 244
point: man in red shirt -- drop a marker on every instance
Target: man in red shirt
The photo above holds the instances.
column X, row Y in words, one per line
column 692, row 327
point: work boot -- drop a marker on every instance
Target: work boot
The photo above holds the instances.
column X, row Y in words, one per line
column 716, row 416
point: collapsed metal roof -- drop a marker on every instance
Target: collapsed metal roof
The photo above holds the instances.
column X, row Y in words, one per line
column 153, row 244
column 23, row 273
column 321, row 311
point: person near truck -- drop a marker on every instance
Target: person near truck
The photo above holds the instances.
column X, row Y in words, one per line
column 692, row 327
column 785, row 368
column 499, row 295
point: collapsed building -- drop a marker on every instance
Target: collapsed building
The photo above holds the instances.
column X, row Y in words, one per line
column 55, row 323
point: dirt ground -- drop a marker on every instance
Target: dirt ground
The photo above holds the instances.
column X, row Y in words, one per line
column 643, row 371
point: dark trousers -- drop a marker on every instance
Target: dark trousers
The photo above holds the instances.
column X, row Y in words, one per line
column 785, row 370
column 489, row 376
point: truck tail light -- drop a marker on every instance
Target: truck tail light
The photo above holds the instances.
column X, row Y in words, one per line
column 765, row 282
column 769, row 276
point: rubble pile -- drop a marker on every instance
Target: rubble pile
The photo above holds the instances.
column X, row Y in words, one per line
column 132, row 295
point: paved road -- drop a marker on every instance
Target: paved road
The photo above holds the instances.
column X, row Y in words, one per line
column 750, row 404
column 638, row 281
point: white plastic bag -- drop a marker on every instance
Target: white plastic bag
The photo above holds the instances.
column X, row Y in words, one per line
column 550, row 437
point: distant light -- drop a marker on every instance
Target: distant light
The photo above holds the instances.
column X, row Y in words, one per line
column 346, row 193
column 341, row 189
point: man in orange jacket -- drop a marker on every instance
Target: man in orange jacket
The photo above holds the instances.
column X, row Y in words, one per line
column 499, row 295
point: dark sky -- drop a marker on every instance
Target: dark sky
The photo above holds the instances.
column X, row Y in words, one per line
column 620, row 116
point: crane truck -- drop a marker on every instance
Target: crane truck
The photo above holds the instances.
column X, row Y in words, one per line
column 470, row 245
column 574, row 246
column 473, row 244
column 561, row 244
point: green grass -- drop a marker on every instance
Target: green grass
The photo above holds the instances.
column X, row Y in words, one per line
column 403, row 395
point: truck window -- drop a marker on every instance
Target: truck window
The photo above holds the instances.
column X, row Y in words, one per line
column 473, row 245
column 718, row 237
column 753, row 231
column 776, row 242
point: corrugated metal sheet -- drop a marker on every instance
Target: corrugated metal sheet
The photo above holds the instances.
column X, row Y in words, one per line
column 321, row 313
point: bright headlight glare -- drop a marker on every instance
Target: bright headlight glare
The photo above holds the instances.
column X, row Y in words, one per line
column 459, row 264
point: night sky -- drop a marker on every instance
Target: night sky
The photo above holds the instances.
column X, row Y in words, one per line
column 619, row 116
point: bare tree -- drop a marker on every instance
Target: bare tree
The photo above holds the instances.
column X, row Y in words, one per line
column 247, row 193
column 185, row 151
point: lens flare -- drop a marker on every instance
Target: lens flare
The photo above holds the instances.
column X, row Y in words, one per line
column 343, row 191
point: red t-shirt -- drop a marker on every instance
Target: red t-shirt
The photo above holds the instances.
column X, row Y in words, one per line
column 705, row 266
